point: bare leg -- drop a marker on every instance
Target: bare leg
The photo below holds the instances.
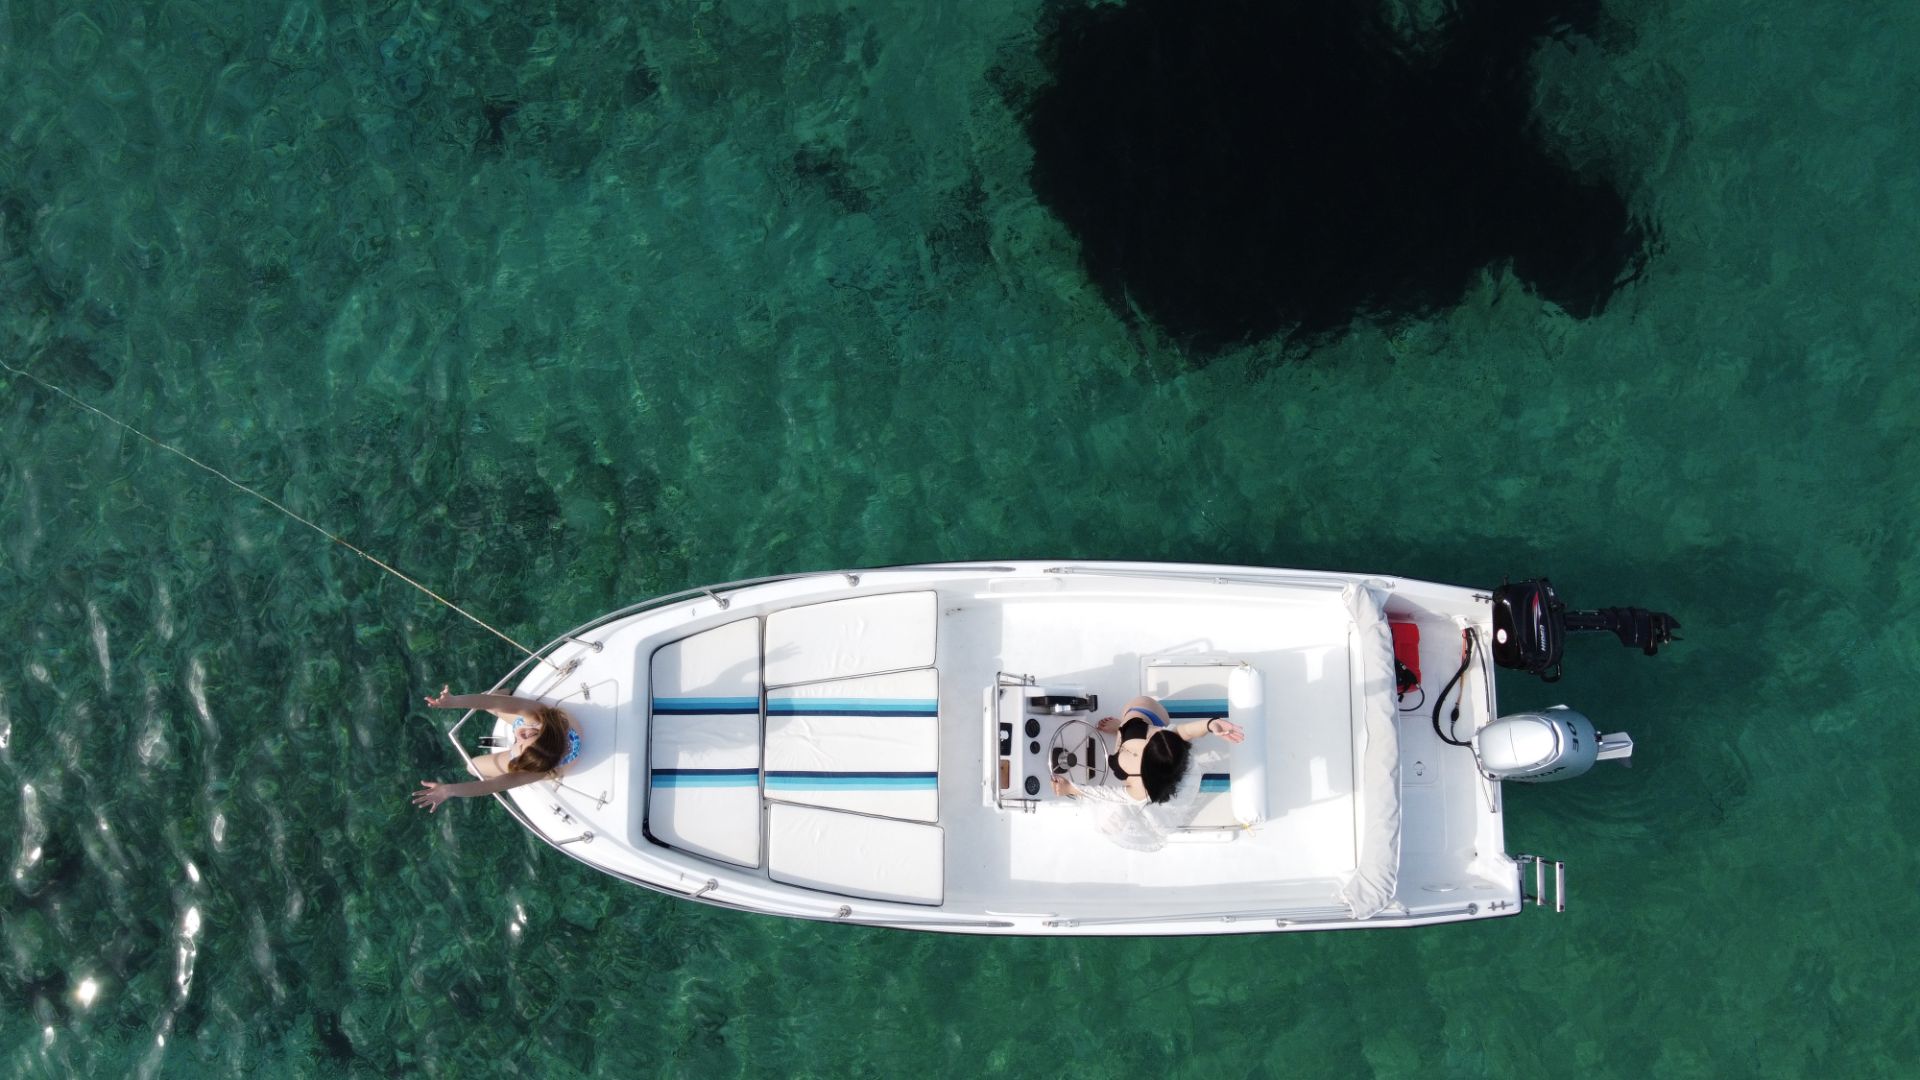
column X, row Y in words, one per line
column 1150, row 706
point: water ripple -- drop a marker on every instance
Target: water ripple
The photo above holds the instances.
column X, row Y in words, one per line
column 98, row 629
column 208, row 725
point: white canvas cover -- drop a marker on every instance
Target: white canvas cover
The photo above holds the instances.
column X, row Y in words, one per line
column 842, row 638
column 1376, row 873
column 704, row 744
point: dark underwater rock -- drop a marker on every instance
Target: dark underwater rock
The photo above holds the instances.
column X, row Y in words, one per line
column 1245, row 168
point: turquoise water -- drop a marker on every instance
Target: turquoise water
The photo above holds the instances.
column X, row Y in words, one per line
column 562, row 307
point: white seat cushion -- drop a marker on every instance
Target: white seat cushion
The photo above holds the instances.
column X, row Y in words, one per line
column 842, row 638
column 704, row 744
column 1233, row 776
column 870, row 744
column 854, row 855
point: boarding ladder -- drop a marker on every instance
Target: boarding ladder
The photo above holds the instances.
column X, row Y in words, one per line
column 1539, row 893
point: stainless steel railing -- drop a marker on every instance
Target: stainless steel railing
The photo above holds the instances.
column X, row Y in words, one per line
column 1287, row 581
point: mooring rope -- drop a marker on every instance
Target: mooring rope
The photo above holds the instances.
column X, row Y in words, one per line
column 270, row 502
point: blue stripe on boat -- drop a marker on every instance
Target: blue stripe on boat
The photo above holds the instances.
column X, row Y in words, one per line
column 853, row 707
column 806, row 780
column 1195, row 708
column 1214, row 782
column 706, row 777
column 705, row 706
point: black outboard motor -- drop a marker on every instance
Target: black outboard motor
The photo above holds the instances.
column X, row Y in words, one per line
column 1531, row 623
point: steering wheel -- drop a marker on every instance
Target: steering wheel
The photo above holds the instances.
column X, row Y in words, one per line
column 1078, row 753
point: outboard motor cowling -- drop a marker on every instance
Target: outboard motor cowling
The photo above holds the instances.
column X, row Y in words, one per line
column 1557, row 744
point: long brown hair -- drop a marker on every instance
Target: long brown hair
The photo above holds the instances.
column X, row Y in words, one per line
column 543, row 754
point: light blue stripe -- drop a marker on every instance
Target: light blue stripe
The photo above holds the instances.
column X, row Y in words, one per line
column 928, row 704
column 851, row 780
column 672, row 705
column 1194, row 707
column 927, row 707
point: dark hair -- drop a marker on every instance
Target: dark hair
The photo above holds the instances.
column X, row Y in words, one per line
column 543, row 754
column 1163, row 763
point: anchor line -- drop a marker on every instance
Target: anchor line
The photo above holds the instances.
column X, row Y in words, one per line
column 277, row 506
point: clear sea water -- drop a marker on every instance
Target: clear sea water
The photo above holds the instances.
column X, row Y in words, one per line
column 559, row 306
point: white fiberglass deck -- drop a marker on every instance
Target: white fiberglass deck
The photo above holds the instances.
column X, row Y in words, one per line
column 1102, row 644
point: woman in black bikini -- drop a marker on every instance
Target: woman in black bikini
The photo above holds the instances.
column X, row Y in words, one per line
column 1153, row 752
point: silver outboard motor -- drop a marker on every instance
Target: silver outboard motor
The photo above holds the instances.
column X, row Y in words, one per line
column 1535, row 747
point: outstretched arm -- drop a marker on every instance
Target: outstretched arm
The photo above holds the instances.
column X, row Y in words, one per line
column 1064, row 786
column 432, row 795
column 1226, row 729
column 503, row 704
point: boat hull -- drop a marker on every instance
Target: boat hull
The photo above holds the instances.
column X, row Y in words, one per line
column 856, row 746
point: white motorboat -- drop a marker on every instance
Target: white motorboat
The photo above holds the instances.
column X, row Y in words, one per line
column 877, row 746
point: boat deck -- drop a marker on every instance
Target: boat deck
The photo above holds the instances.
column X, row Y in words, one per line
column 1053, row 852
